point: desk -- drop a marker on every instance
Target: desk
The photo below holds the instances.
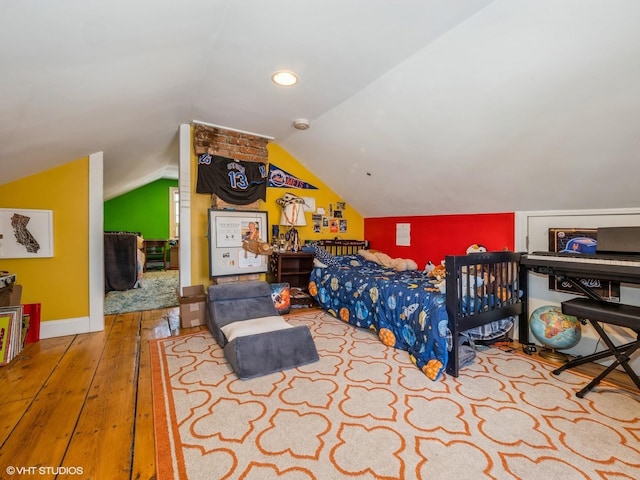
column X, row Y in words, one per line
column 155, row 252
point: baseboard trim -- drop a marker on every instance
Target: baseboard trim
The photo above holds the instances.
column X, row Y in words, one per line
column 61, row 328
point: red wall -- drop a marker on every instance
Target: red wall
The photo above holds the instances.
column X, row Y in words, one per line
column 433, row 237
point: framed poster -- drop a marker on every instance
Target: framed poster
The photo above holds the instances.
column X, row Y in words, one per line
column 227, row 229
column 26, row 233
column 579, row 241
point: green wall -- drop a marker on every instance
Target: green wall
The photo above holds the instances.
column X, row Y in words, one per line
column 145, row 210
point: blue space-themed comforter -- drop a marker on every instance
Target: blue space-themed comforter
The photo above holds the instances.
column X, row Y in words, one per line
column 397, row 305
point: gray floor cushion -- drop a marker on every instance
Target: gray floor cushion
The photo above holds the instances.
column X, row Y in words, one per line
column 256, row 354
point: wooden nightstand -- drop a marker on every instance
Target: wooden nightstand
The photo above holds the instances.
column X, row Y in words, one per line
column 291, row 268
column 294, row 269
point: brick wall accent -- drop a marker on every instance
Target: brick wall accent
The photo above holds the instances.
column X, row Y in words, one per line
column 227, row 143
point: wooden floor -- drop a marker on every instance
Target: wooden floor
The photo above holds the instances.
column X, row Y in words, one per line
column 84, row 402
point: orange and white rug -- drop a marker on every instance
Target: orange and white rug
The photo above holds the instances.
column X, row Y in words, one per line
column 364, row 411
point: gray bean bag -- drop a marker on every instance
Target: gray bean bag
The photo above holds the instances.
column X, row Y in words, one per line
column 256, row 340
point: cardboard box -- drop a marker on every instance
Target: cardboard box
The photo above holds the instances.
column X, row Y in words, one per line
column 7, row 283
column 192, row 306
column 16, row 295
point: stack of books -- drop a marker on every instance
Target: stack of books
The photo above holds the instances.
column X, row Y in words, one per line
column 300, row 298
column 14, row 326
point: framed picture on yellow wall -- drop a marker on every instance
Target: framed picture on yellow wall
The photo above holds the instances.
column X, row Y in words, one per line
column 26, row 233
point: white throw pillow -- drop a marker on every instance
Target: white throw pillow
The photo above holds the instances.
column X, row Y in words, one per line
column 318, row 263
column 255, row 325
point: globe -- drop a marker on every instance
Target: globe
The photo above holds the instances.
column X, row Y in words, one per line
column 554, row 329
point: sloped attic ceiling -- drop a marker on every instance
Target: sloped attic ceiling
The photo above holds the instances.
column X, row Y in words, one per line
column 416, row 107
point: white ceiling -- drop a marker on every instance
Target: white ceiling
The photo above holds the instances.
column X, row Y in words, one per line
column 416, row 107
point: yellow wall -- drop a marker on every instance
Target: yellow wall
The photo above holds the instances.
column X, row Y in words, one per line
column 324, row 196
column 61, row 283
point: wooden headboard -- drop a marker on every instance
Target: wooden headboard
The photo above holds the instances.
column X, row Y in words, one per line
column 343, row 247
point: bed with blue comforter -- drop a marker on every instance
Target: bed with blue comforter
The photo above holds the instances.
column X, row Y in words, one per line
column 408, row 311
column 396, row 305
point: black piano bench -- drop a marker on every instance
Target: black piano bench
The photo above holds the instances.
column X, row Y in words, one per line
column 616, row 314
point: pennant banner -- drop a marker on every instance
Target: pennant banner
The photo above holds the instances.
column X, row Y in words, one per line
column 278, row 178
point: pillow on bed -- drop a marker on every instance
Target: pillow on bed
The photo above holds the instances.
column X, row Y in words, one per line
column 324, row 257
column 243, row 328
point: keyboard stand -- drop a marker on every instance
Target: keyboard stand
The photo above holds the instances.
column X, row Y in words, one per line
column 616, row 314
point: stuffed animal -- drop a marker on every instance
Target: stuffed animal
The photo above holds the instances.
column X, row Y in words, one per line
column 438, row 272
column 437, row 286
column 479, row 277
column 485, row 285
column 438, row 275
column 398, row 264
column 476, row 248
column 476, row 286
column 491, row 287
column 428, row 268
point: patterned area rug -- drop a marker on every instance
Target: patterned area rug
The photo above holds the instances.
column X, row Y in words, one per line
column 159, row 290
column 365, row 412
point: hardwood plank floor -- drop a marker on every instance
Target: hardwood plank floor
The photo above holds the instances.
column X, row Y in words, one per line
column 85, row 401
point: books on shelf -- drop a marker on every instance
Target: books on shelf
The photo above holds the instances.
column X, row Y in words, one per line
column 14, row 326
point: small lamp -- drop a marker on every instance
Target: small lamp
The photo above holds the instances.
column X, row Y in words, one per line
column 293, row 216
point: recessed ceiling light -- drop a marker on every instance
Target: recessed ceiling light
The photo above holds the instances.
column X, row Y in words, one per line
column 284, row 78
